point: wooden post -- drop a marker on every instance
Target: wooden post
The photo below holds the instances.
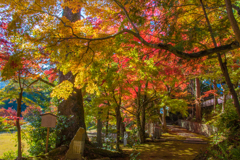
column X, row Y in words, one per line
column 48, row 120
column 47, row 139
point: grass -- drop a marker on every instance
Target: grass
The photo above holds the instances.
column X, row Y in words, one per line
column 8, row 142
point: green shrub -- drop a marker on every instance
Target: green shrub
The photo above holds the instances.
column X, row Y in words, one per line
column 228, row 122
column 226, row 142
column 10, row 155
column 2, row 124
column 35, row 135
column 235, row 153
column 5, row 126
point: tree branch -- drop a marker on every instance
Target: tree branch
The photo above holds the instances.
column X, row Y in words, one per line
column 170, row 48
column 128, row 111
column 32, row 83
column 44, row 81
column 124, row 10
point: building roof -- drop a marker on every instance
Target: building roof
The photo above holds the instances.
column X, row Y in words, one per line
column 48, row 114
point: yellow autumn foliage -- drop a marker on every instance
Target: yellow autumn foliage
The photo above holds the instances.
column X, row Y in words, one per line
column 63, row 90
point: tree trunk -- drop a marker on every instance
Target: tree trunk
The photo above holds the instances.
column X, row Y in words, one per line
column 139, row 128
column 107, row 123
column 230, row 85
column 19, row 103
column 118, row 116
column 139, row 125
column 232, row 20
column 164, row 123
column 99, row 131
column 72, row 106
column 198, row 105
column 223, row 66
column 143, row 121
column 122, row 128
column 143, row 114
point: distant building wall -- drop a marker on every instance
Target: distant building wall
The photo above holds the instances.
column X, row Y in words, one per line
column 210, row 102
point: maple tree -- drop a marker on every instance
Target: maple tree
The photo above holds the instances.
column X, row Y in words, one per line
column 127, row 10
column 151, row 42
column 8, row 112
column 74, row 97
column 20, row 68
column 110, row 79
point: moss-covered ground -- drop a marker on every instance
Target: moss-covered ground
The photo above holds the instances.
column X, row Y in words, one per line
column 171, row 146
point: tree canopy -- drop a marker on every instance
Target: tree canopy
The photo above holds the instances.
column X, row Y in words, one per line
column 129, row 57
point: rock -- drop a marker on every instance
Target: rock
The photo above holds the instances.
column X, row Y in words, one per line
column 76, row 146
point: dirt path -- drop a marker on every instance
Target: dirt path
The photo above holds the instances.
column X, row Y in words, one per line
column 177, row 144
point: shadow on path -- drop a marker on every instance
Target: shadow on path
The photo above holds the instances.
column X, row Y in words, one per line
column 177, row 144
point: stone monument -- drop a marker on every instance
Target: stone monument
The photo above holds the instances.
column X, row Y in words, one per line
column 126, row 136
column 157, row 132
column 76, row 147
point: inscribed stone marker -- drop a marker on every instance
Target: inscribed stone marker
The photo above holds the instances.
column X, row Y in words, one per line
column 126, row 135
column 76, row 146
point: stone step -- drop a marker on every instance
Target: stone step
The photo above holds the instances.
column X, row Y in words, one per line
column 195, row 142
column 193, row 139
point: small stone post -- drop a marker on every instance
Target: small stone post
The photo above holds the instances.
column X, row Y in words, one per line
column 76, row 147
column 126, row 135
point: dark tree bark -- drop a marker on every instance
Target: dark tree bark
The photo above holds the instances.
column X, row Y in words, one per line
column 139, row 128
column 107, row 122
column 99, row 131
column 122, row 128
column 72, row 106
column 143, row 121
column 143, row 113
column 118, row 116
column 198, row 105
column 138, row 114
column 141, row 103
column 232, row 19
column 230, row 85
